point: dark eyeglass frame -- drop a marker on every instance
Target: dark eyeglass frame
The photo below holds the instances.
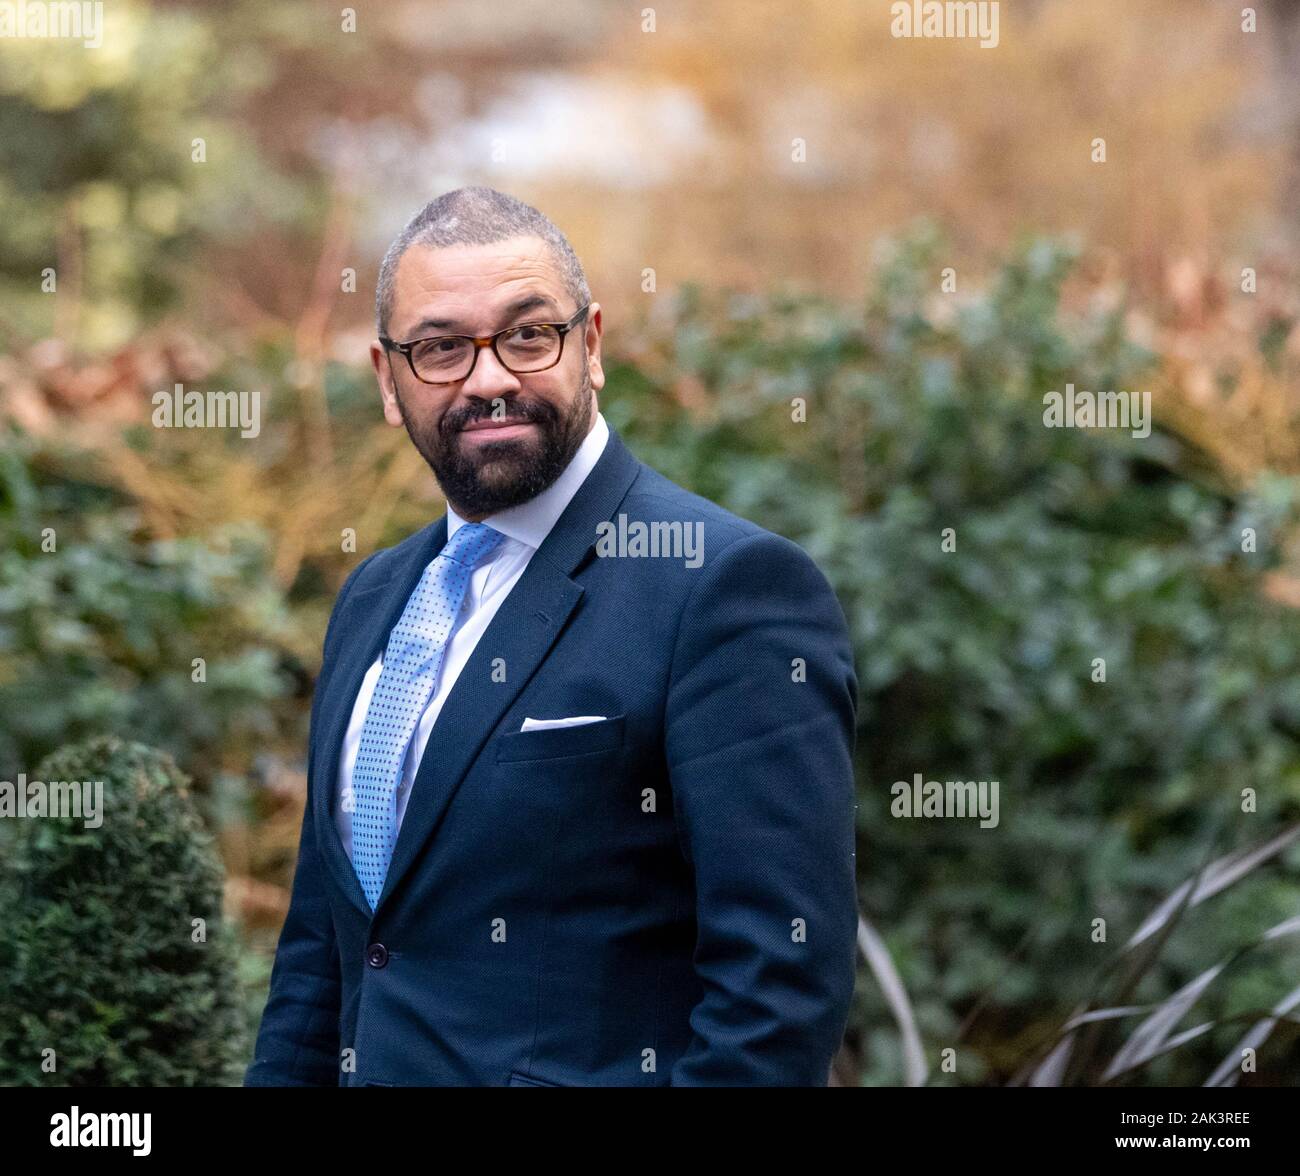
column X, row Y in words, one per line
column 481, row 341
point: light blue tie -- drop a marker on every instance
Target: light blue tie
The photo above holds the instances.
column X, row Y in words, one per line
column 411, row 661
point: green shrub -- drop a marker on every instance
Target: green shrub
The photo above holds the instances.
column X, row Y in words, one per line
column 99, row 635
column 102, row 957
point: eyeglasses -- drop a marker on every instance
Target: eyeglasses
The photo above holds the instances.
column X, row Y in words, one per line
column 522, row 350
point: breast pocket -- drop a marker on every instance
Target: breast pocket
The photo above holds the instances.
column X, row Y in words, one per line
column 561, row 742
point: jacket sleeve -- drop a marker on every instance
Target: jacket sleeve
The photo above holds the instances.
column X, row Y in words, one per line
column 759, row 738
column 298, row 1041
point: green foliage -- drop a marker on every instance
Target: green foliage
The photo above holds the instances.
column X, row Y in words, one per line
column 99, row 960
column 99, row 635
column 925, row 412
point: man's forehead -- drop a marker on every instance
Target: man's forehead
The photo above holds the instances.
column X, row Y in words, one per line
column 464, row 286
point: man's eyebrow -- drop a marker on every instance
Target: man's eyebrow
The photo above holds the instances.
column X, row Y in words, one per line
column 514, row 310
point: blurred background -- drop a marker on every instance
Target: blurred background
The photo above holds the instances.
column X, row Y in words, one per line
column 919, row 237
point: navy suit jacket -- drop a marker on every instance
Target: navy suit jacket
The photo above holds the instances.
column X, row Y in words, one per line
column 665, row 898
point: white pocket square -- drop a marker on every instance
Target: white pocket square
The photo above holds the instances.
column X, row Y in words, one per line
column 547, row 724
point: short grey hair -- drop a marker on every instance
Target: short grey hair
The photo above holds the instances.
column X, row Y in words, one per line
column 476, row 216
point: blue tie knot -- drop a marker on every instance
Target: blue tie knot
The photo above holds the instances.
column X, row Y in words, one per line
column 471, row 543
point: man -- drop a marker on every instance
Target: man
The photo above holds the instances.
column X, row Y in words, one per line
column 580, row 803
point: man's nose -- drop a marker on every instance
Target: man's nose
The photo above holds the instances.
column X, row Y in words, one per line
column 489, row 377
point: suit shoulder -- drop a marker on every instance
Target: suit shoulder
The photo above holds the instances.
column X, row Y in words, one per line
column 378, row 566
column 654, row 498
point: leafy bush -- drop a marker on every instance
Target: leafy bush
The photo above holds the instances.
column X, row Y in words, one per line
column 103, row 959
column 99, row 635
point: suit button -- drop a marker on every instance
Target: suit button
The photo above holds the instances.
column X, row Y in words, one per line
column 376, row 955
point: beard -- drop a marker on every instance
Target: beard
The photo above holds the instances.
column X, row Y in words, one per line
column 484, row 477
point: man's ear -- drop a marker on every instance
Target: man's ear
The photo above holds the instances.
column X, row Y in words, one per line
column 387, row 390
column 593, row 325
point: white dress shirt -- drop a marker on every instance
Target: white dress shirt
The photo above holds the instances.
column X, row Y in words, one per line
column 524, row 526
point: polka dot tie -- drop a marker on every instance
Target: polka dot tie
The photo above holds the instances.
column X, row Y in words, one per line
column 411, row 661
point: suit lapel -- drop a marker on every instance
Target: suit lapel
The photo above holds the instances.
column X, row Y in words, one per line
column 521, row 633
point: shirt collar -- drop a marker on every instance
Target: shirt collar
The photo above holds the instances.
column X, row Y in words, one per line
column 530, row 522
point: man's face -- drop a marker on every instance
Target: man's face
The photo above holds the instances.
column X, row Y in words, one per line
column 494, row 439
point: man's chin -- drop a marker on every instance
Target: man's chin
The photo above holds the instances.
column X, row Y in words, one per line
column 484, row 474
column 491, row 476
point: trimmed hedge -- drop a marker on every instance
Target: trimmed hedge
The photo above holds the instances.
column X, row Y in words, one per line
column 104, row 959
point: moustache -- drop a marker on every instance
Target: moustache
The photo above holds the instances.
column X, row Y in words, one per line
column 517, row 412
